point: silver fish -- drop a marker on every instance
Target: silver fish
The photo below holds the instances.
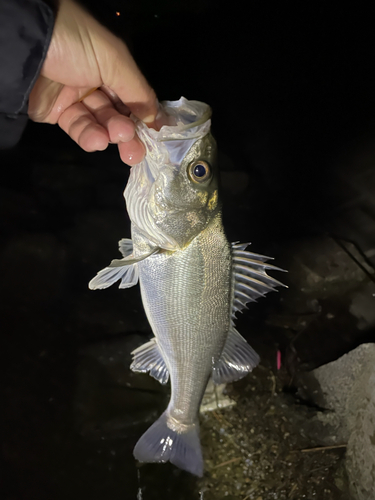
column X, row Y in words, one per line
column 193, row 281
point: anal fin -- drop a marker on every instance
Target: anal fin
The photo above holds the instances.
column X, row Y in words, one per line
column 236, row 361
column 148, row 358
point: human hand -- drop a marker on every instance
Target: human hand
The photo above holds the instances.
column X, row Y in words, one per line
column 84, row 55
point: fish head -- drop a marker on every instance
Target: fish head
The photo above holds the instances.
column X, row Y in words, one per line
column 172, row 195
column 184, row 197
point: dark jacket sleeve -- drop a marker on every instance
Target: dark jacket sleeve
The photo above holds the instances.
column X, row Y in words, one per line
column 25, row 33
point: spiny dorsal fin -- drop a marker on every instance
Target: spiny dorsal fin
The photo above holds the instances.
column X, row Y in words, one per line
column 251, row 280
column 148, row 358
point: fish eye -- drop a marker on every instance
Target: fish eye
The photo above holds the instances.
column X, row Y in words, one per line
column 199, row 171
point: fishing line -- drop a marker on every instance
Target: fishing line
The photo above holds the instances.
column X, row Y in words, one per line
column 139, row 492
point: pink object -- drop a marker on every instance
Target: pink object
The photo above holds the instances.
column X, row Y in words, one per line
column 278, row 360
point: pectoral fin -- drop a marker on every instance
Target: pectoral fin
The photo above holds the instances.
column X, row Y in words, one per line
column 125, row 269
column 148, row 358
column 131, row 259
column 128, row 275
column 236, row 361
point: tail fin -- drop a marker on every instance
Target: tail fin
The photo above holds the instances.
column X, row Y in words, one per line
column 160, row 444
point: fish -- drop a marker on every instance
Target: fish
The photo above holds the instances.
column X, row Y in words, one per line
column 193, row 281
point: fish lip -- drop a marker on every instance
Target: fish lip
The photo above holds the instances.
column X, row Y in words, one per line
column 183, row 128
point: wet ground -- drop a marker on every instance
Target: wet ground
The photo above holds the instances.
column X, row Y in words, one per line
column 261, row 448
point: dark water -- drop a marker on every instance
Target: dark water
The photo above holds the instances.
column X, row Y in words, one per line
column 292, row 93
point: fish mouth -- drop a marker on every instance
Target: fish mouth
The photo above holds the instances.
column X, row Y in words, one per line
column 164, row 148
column 191, row 120
column 183, row 128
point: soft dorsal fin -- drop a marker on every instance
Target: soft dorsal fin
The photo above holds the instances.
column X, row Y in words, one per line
column 251, row 280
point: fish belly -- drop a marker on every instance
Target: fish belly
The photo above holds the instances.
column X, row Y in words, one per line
column 186, row 296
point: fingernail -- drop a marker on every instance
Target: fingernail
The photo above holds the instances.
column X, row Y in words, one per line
column 149, row 119
column 126, row 137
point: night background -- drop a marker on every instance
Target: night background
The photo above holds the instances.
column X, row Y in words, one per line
column 292, row 89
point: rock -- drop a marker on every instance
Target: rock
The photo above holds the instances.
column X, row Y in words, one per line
column 346, row 387
column 360, row 462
